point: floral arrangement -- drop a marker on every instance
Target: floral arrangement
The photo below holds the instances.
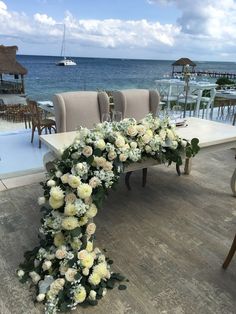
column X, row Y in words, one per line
column 66, row 269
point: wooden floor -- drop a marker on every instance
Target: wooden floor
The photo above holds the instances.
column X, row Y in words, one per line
column 169, row 239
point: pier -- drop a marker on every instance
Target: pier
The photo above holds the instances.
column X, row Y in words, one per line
column 212, row 74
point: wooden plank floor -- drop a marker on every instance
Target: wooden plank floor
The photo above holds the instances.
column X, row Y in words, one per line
column 169, row 239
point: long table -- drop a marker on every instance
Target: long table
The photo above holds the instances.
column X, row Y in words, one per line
column 212, row 136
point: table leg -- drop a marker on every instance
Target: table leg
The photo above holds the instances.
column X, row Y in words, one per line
column 233, row 183
column 188, row 165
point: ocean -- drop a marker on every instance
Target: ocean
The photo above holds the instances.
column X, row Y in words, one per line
column 44, row 78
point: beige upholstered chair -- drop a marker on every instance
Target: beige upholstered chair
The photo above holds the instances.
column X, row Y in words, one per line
column 83, row 108
column 136, row 103
column 74, row 109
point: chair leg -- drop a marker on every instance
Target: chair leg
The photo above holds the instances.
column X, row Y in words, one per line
column 39, row 133
column 230, row 254
column 127, row 176
column 32, row 134
column 144, row 177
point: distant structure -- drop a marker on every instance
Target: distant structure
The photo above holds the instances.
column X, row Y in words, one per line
column 182, row 62
column 10, row 67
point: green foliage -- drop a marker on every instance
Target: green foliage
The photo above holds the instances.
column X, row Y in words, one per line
column 224, row 81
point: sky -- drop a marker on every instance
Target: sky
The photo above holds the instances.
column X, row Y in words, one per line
column 137, row 29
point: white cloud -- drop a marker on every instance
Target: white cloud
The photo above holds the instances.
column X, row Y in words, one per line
column 203, row 28
column 44, row 19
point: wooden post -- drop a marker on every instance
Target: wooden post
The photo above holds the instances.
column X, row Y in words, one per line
column 22, row 84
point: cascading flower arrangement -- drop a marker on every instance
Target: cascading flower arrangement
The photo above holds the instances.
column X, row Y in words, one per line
column 65, row 268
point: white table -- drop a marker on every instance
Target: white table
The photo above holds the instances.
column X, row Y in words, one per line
column 199, row 87
column 212, row 136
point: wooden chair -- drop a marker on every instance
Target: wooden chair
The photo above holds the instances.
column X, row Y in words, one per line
column 39, row 123
column 230, row 254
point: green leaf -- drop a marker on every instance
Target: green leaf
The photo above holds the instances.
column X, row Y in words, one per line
column 75, row 232
column 97, row 152
column 122, row 287
column 118, row 276
column 110, row 284
column 93, row 302
column 90, row 160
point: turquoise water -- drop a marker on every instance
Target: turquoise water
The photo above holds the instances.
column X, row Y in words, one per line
column 44, row 78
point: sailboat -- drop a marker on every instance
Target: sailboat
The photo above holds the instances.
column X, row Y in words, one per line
column 65, row 61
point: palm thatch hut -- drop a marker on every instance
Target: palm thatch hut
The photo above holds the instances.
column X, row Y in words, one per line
column 182, row 62
column 9, row 66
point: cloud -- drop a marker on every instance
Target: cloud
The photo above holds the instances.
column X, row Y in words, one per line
column 202, row 31
column 44, row 19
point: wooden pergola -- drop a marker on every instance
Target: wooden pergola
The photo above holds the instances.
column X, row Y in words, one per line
column 182, row 62
column 9, row 66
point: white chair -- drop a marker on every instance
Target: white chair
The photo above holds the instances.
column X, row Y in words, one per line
column 170, row 92
column 208, row 102
column 82, row 108
column 74, row 109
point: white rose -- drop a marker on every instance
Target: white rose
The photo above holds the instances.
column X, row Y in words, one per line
column 58, row 174
column 91, row 228
column 101, row 269
column 46, row 265
column 51, row 183
column 162, row 134
column 112, row 155
column 120, row 142
column 99, row 161
column 70, row 274
column 84, row 190
column 20, row 273
column 100, row 144
column 141, row 129
column 41, row 200
column 64, row 178
column 133, row 145
column 92, row 295
column 132, row 130
column 92, row 211
column 183, row 143
column 82, row 254
column 70, row 210
column 94, row 182
column 40, row 297
column 104, row 292
column 148, row 149
column 74, row 181
column 87, row 151
column 107, row 166
column 122, row 157
column 85, row 271
column 61, row 253
column 170, row 134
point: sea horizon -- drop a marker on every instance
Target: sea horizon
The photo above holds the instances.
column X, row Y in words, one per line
column 44, row 78
column 120, row 58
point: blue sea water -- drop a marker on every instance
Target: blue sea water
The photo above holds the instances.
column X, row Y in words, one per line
column 44, row 78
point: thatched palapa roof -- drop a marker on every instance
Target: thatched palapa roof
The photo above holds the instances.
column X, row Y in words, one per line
column 8, row 63
column 184, row 61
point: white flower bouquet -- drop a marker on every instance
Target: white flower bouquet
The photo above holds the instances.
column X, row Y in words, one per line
column 66, row 269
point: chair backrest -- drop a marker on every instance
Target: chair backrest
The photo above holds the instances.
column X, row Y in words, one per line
column 82, row 108
column 136, row 103
column 35, row 112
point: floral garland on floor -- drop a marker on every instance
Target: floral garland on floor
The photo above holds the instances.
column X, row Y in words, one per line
column 66, row 269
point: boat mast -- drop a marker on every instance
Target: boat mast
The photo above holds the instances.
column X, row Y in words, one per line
column 63, row 46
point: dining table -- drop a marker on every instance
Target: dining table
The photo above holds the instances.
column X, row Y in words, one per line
column 213, row 136
column 197, row 86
